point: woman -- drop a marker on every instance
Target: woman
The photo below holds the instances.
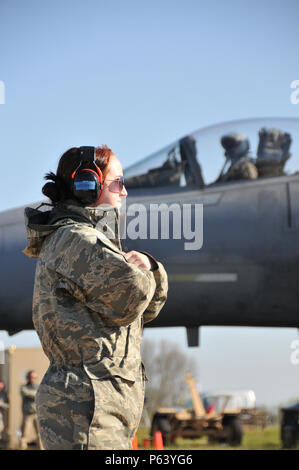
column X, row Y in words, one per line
column 89, row 305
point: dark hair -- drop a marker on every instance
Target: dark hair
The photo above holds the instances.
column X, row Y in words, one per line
column 29, row 373
column 60, row 187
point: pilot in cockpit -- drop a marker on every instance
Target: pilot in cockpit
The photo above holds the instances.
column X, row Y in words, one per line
column 272, row 154
column 237, row 153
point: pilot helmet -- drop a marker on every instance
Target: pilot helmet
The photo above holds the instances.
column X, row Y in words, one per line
column 236, row 146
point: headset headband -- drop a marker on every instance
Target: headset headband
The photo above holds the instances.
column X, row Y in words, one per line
column 87, row 154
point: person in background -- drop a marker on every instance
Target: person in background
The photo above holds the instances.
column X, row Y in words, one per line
column 3, row 414
column 29, row 422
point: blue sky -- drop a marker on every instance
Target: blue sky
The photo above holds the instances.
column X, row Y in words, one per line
column 137, row 75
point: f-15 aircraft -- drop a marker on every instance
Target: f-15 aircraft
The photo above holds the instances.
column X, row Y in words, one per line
column 229, row 195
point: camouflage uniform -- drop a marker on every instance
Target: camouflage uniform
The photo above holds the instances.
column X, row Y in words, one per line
column 89, row 307
column 244, row 168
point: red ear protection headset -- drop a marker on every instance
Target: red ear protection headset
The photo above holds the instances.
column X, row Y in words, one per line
column 87, row 179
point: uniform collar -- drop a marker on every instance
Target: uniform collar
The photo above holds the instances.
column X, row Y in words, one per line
column 105, row 218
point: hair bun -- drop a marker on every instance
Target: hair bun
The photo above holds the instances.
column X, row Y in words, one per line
column 51, row 191
column 56, row 190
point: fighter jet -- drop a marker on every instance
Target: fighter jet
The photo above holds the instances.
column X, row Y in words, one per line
column 220, row 208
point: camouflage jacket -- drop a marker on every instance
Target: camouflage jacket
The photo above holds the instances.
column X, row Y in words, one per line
column 28, row 392
column 89, row 302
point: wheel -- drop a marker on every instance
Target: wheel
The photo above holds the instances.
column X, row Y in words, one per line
column 289, row 438
column 161, row 423
column 235, row 432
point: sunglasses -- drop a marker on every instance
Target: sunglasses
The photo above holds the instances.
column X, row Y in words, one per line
column 121, row 183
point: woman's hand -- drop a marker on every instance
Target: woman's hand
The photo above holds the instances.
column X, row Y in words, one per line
column 141, row 260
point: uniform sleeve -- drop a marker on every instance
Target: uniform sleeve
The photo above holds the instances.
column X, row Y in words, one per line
column 103, row 280
column 160, row 295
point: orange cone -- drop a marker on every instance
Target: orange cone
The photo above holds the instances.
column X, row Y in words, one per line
column 135, row 443
column 158, row 440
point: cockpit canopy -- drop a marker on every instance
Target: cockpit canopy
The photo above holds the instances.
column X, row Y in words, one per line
column 245, row 149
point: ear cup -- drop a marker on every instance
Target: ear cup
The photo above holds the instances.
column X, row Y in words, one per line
column 87, row 185
column 87, row 178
